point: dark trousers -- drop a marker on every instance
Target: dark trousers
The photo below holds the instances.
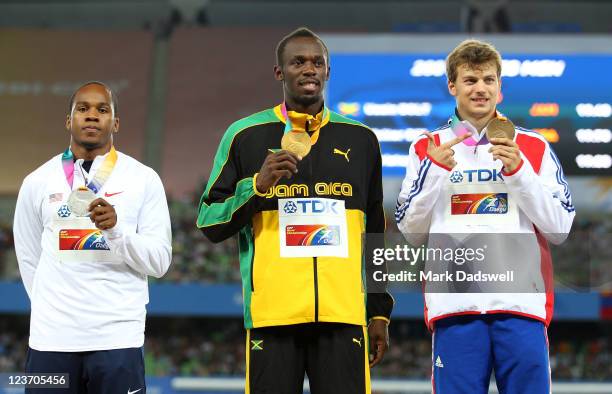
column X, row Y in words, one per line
column 96, row 372
column 333, row 356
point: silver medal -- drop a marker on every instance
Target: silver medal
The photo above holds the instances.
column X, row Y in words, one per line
column 79, row 200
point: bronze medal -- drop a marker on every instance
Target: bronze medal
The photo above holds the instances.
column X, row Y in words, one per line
column 500, row 128
column 296, row 142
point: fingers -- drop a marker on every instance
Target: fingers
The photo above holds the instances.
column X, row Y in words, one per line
column 98, row 202
column 430, row 137
column 510, row 153
column 284, row 155
column 503, row 142
column 456, row 140
column 380, row 348
column 284, row 165
column 282, row 160
column 278, row 174
column 106, row 224
column 504, row 148
column 103, row 215
column 504, row 157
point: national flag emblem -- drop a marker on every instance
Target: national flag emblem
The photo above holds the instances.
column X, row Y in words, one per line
column 257, row 344
column 56, row 197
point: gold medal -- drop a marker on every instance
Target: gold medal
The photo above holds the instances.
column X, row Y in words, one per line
column 500, row 128
column 296, row 142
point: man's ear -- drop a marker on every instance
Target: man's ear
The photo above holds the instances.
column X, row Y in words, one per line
column 278, row 73
column 452, row 89
column 116, row 125
column 68, row 122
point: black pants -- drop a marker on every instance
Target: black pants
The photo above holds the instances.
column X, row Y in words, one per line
column 334, row 357
column 98, row 372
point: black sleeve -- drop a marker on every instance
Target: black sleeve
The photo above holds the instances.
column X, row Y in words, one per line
column 228, row 202
column 379, row 301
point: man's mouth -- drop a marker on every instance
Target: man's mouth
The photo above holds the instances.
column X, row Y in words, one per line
column 309, row 84
column 480, row 100
column 91, row 128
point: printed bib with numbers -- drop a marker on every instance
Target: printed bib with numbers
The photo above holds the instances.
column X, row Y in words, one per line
column 79, row 240
column 312, row 227
column 479, row 197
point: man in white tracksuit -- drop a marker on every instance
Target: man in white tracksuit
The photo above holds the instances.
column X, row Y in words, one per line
column 460, row 182
column 90, row 225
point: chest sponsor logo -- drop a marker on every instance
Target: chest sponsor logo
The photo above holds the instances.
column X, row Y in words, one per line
column 310, row 206
column 476, row 175
column 479, row 203
column 81, row 239
column 302, row 190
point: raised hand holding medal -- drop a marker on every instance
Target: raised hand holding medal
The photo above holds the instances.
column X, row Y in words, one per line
column 83, row 201
column 500, row 133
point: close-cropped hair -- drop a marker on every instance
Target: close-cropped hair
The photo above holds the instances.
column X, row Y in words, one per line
column 472, row 53
column 297, row 33
column 114, row 100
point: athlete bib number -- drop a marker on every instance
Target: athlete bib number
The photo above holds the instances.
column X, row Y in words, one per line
column 312, row 227
column 78, row 241
column 481, row 205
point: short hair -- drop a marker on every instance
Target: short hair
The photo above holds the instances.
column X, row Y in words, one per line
column 298, row 33
column 473, row 53
column 113, row 97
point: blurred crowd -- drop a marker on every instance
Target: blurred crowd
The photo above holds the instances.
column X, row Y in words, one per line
column 217, row 348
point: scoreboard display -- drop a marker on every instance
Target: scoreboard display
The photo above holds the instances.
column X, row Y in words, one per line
column 565, row 98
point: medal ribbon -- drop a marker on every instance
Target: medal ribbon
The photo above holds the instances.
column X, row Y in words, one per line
column 461, row 127
column 296, row 121
column 101, row 175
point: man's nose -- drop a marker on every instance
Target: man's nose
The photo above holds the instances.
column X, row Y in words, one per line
column 480, row 86
column 92, row 115
column 309, row 69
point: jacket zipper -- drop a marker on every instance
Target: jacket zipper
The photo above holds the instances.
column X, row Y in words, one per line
column 314, row 259
column 316, row 289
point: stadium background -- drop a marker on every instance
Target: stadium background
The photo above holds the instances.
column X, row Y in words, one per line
column 184, row 70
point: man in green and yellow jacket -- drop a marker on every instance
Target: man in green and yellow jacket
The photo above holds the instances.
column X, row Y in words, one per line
column 301, row 216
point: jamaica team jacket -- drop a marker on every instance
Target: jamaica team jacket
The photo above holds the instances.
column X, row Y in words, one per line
column 336, row 197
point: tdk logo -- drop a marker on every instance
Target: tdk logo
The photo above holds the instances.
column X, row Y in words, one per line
column 290, row 207
column 480, row 175
column 456, row 177
column 303, row 206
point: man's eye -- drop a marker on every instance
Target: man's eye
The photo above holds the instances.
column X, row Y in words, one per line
column 103, row 110
column 81, row 109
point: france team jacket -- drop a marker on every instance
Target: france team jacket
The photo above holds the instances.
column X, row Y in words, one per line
column 477, row 196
